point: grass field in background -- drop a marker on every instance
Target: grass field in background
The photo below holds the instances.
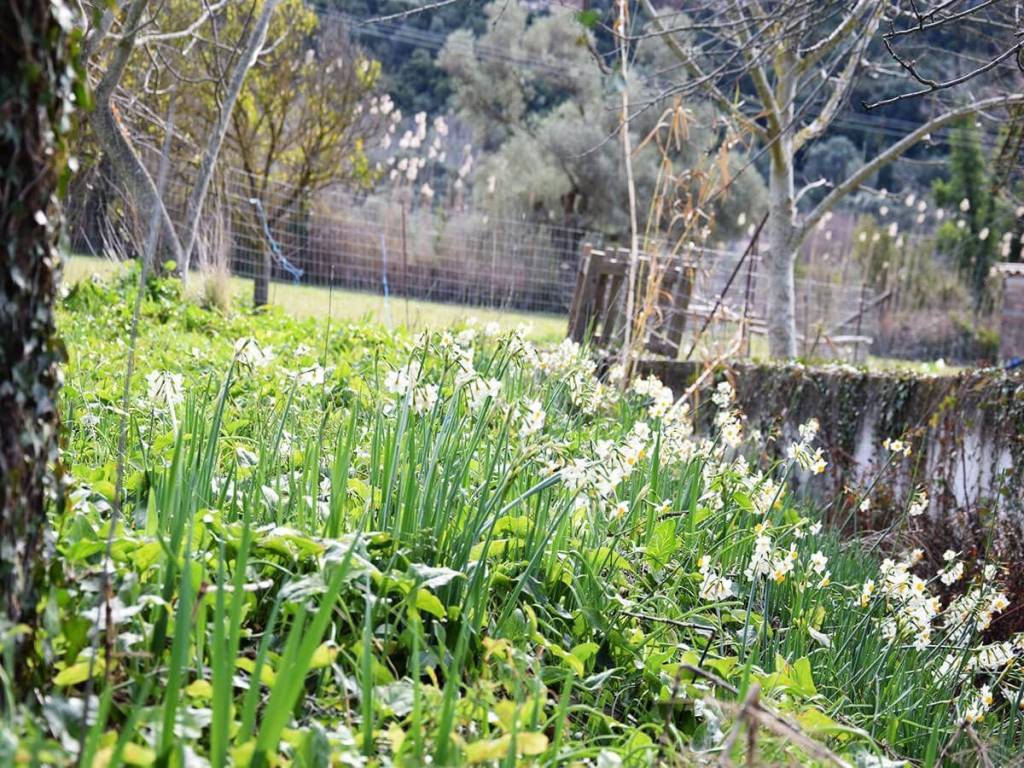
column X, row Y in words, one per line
column 312, row 301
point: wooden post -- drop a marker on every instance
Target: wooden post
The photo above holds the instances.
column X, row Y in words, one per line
column 582, row 310
column 747, row 298
column 860, row 320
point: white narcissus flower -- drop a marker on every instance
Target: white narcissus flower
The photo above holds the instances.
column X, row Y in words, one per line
column 715, row 588
column 919, row 504
column 818, row 562
column 533, row 418
column 165, row 388
column 401, row 380
column 482, row 389
column 976, row 710
column 867, row 591
column 424, row 398
column 760, row 560
column 311, row 376
column 897, row 446
column 819, row 464
column 249, row 352
column 820, row 637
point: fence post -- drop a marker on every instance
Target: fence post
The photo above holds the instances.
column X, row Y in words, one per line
column 405, row 269
column 261, row 285
column 747, row 298
column 860, row 319
column 582, row 298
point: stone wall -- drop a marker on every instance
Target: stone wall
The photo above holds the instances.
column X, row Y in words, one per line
column 1011, row 320
column 966, row 432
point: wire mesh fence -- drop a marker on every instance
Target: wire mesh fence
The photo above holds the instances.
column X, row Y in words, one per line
column 398, row 245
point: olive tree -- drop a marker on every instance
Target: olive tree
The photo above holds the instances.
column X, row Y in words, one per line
column 551, row 126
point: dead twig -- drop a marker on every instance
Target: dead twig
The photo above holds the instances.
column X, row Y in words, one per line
column 986, row 761
column 754, row 710
column 671, row 622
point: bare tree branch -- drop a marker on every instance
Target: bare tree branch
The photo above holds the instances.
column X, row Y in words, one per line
column 810, row 56
column 863, row 173
column 188, row 31
column 922, row 26
column 194, row 209
column 694, row 70
column 844, row 82
column 411, row 12
column 113, row 137
column 757, row 73
column 934, row 85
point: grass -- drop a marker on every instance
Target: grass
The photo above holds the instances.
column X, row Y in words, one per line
column 305, row 301
column 341, row 546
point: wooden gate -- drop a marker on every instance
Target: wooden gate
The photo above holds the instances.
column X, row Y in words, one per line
column 599, row 301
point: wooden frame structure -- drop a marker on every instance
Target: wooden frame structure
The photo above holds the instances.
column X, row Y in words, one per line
column 598, row 304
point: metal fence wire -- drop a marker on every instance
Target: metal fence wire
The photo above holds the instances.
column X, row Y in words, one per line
column 399, row 245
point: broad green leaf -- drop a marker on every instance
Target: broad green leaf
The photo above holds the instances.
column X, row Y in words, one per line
column 79, row 673
column 199, row 689
column 517, row 525
column 527, row 743
column 585, row 651
column 267, row 675
column 803, row 680
column 427, row 601
column 323, row 656
column 432, row 578
column 663, row 543
column 818, row 724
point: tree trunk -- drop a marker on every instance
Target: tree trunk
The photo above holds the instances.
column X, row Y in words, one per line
column 112, row 137
column 33, row 103
column 261, row 285
column 194, row 209
column 781, row 257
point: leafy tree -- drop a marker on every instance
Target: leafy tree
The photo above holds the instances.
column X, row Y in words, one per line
column 141, row 40
column 548, row 125
column 407, row 47
column 973, row 236
column 301, row 123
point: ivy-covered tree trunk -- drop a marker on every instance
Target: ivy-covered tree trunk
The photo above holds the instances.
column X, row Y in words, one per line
column 35, row 107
